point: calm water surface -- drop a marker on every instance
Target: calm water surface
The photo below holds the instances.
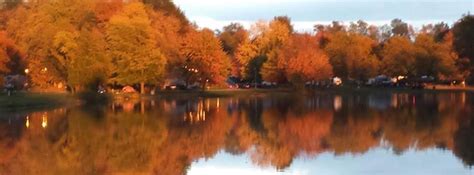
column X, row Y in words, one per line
column 376, row 133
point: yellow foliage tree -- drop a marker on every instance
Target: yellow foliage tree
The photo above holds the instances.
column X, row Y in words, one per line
column 132, row 47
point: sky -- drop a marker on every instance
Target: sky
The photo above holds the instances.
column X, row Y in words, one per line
column 374, row 161
column 215, row 14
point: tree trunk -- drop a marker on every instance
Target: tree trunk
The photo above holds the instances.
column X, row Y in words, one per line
column 204, row 85
column 76, row 89
column 142, row 88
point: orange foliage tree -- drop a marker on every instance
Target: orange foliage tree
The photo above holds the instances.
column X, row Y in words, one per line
column 6, row 45
column 302, row 59
column 232, row 37
column 204, row 61
column 398, row 57
column 351, row 55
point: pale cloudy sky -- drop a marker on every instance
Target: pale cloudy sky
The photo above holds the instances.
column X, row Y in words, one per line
column 305, row 13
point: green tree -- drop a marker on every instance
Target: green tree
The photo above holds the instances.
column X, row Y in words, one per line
column 132, row 47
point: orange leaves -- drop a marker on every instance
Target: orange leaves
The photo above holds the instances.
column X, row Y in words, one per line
column 8, row 49
column 351, row 55
column 306, row 132
column 302, row 57
column 398, row 57
column 105, row 9
column 202, row 51
column 5, row 43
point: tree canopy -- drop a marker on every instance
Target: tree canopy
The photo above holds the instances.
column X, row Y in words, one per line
column 64, row 44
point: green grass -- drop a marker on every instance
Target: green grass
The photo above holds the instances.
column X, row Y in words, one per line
column 28, row 101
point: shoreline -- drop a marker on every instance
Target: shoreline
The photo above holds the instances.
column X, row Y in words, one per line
column 32, row 100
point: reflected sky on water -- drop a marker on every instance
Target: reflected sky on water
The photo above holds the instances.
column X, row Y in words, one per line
column 324, row 133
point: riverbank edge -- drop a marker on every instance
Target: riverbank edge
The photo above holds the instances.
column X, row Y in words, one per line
column 31, row 101
column 34, row 101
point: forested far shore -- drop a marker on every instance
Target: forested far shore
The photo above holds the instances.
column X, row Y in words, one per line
column 63, row 45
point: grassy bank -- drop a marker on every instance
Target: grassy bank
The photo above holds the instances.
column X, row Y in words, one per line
column 29, row 101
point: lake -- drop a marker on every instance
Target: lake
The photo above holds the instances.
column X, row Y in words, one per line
column 327, row 133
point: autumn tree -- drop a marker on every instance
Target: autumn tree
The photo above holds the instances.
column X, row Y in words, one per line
column 5, row 46
column 244, row 55
column 132, row 47
column 279, row 31
column 233, row 36
column 374, row 33
column 335, row 26
column 54, row 20
column 325, row 32
column 363, row 28
column 250, row 55
column 351, row 55
column 303, row 60
column 400, row 28
column 385, row 32
column 360, row 27
column 166, row 29
column 463, row 31
column 81, row 54
column 105, row 9
column 434, row 59
column 169, row 9
column 438, row 31
column 259, row 55
column 203, row 60
column 9, row 4
column 398, row 57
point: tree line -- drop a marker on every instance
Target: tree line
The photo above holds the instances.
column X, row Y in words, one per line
column 81, row 45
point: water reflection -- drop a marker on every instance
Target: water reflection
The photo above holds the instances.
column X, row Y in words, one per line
column 165, row 136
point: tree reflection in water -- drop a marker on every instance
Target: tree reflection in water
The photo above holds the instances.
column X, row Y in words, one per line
column 166, row 136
